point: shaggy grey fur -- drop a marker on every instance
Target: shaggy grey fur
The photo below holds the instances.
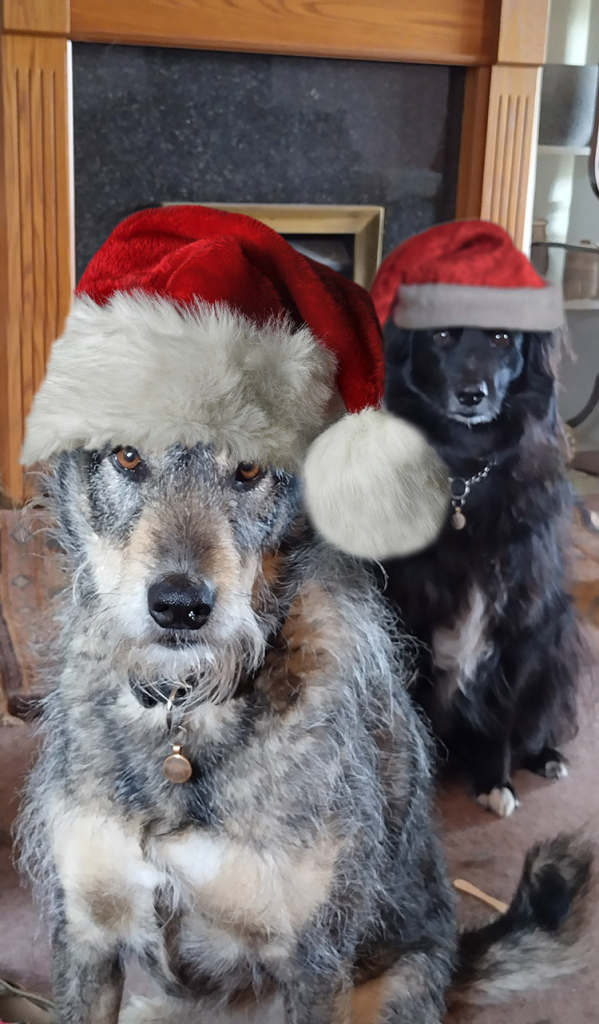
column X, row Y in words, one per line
column 299, row 861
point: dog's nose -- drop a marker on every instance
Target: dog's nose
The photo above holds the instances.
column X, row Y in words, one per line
column 470, row 395
column 177, row 603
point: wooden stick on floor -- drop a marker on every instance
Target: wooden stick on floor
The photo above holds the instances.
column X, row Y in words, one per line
column 478, row 894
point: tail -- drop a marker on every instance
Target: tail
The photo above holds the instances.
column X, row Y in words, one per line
column 542, row 934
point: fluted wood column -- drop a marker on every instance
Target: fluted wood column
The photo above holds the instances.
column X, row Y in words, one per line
column 36, row 211
column 500, row 126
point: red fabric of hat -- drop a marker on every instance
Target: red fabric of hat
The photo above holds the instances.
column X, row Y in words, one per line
column 191, row 253
column 465, row 273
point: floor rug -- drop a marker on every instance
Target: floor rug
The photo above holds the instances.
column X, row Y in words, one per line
column 30, row 579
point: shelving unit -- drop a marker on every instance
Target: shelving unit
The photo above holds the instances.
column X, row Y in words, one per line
column 564, row 150
column 562, row 193
column 564, row 199
column 582, row 304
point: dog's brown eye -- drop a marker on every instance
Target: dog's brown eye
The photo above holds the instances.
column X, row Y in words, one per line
column 248, row 471
column 502, row 338
column 442, row 337
column 127, row 458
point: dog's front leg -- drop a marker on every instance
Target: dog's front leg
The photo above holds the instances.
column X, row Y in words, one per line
column 312, row 999
column 87, row 981
column 490, row 771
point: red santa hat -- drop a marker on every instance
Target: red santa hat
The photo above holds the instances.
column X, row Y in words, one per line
column 192, row 325
column 467, row 273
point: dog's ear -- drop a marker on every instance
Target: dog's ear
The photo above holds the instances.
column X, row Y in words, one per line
column 535, row 387
column 398, row 344
column 539, row 361
column 398, row 363
column 68, row 499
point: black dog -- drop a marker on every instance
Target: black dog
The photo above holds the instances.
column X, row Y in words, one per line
column 498, row 674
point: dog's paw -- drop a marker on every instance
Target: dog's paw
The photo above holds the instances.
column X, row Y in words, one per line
column 502, row 801
column 140, row 1010
column 549, row 763
column 554, row 770
column 162, row 1010
column 155, row 1011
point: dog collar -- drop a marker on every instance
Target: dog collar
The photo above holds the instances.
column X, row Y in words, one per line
column 149, row 696
column 176, row 767
column 459, row 488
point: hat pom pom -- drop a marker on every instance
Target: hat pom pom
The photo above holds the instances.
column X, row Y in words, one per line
column 375, row 487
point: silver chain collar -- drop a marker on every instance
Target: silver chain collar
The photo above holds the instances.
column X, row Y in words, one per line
column 459, row 488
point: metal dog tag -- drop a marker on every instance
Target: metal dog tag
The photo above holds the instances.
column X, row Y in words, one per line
column 458, row 520
column 176, row 767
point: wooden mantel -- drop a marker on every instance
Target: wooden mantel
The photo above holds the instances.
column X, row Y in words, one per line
column 500, row 42
column 429, row 31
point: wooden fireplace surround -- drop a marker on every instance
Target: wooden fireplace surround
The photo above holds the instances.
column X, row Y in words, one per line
column 500, row 42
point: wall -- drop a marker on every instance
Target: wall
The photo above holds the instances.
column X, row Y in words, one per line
column 153, row 125
column 573, row 32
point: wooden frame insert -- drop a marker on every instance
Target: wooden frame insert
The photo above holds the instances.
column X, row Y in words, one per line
column 365, row 223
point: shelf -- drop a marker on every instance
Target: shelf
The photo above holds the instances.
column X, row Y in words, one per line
column 565, row 150
column 588, row 304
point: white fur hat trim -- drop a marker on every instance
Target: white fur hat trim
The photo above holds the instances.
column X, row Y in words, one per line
column 375, row 487
column 138, row 370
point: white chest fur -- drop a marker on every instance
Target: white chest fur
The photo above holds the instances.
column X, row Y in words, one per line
column 253, row 894
column 259, row 891
column 459, row 649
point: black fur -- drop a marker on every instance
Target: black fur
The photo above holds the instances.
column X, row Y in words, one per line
column 519, row 702
column 552, row 898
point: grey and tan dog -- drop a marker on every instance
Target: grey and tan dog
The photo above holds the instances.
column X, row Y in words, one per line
column 295, row 875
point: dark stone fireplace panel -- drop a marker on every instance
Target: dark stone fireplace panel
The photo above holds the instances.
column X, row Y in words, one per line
column 153, row 125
